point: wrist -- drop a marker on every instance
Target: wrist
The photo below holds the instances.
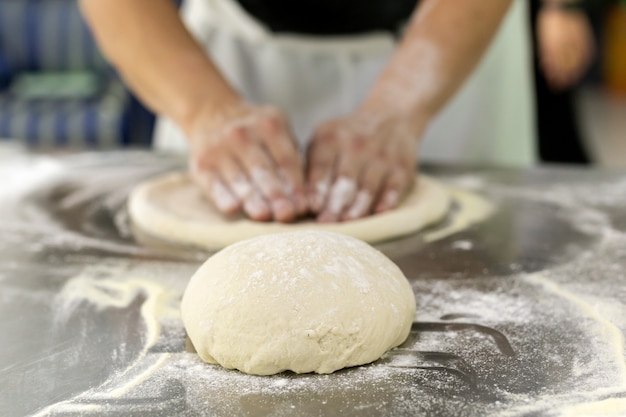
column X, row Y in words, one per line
column 381, row 108
column 205, row 109
column 200, row 92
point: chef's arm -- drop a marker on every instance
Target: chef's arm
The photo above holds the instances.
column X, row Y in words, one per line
column 242, row 157
column 441, row 46
column 156, row 55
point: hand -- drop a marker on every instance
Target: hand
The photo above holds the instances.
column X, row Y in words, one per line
column 244, row 157
column 565, row 45
column 360, row 164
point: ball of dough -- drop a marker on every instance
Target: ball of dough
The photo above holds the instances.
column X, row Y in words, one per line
column 305, row 301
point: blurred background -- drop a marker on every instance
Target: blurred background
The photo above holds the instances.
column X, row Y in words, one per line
column 57, row 92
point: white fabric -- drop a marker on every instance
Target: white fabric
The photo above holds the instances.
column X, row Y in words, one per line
column 315, row 79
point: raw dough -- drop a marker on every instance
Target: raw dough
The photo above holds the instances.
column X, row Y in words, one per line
column 305, row 301
column 171, row 208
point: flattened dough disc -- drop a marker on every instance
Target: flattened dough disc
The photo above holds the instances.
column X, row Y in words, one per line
column 171, row 207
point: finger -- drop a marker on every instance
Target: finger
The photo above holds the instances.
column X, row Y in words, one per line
column 393, row 190
column 260, row 168
column 267, row 181
column 341, row 194
column 282, row 148
column 369, row 188
column 322, row 158
column 343, row 190
column 254, row 204
column 216, row 190
column 294, row 187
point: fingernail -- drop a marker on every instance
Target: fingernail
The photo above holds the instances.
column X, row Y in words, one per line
column 391, row 199
column 241, row 186
column 318, row 195
column 316, row 201
column 259, row 175
column 257, row 209
column 327, row 217
column 301, row 204
column 360, row 207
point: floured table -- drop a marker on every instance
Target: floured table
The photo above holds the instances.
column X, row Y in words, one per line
column 522, row 314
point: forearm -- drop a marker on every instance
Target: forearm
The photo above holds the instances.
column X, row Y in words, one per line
column 149, row 45
column 441, row 46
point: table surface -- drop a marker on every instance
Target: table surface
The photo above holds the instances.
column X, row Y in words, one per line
column 520, row 315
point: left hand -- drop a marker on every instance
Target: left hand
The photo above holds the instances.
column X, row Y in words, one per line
column 360, row 164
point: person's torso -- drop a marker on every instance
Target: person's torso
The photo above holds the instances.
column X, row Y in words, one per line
column 330, row 17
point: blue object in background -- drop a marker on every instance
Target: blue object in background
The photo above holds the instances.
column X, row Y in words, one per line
column 44, row 41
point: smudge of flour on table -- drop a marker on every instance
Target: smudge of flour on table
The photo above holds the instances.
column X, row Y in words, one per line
column 159, row 301
column 601, row 376
column 116, row 284
column 373, row 388
column 610, row 407
column 577, row 204
column 21, row 175
column 604, row 328
column 49, row 202
column 213, row 390
column 472, row 209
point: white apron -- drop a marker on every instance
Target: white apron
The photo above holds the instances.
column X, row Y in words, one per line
column 315, row 79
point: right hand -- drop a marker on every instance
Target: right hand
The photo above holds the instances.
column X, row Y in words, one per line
column 244, row 157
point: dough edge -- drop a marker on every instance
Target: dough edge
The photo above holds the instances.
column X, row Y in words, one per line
column 426, row 203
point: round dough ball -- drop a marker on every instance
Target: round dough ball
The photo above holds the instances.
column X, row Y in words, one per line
column 306, row 301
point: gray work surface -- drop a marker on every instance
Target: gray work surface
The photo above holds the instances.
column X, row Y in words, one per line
column 520, row 315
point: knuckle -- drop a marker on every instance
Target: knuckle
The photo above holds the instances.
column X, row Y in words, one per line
column 325, row 136
column 320, row 158
column 379, row 163
column 289, row 166
column 272, row 121
column 271, row 112
column 371, row 181
column 203, row 162
column 382, row 156
column 359, row 143
column 238, row 136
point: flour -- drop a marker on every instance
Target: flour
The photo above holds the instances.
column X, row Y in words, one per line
column 361, row 204
column 504, row 304
column 575, row 202
column 604, row 328
column 261, row 176
column 21, row 175
column 222, row 196
column 391, row 198
column 419, row 57
column 563, row 323
column 341, row 193
column 462, row 245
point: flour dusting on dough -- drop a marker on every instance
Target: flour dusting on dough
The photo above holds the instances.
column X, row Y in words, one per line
column 172, row 209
